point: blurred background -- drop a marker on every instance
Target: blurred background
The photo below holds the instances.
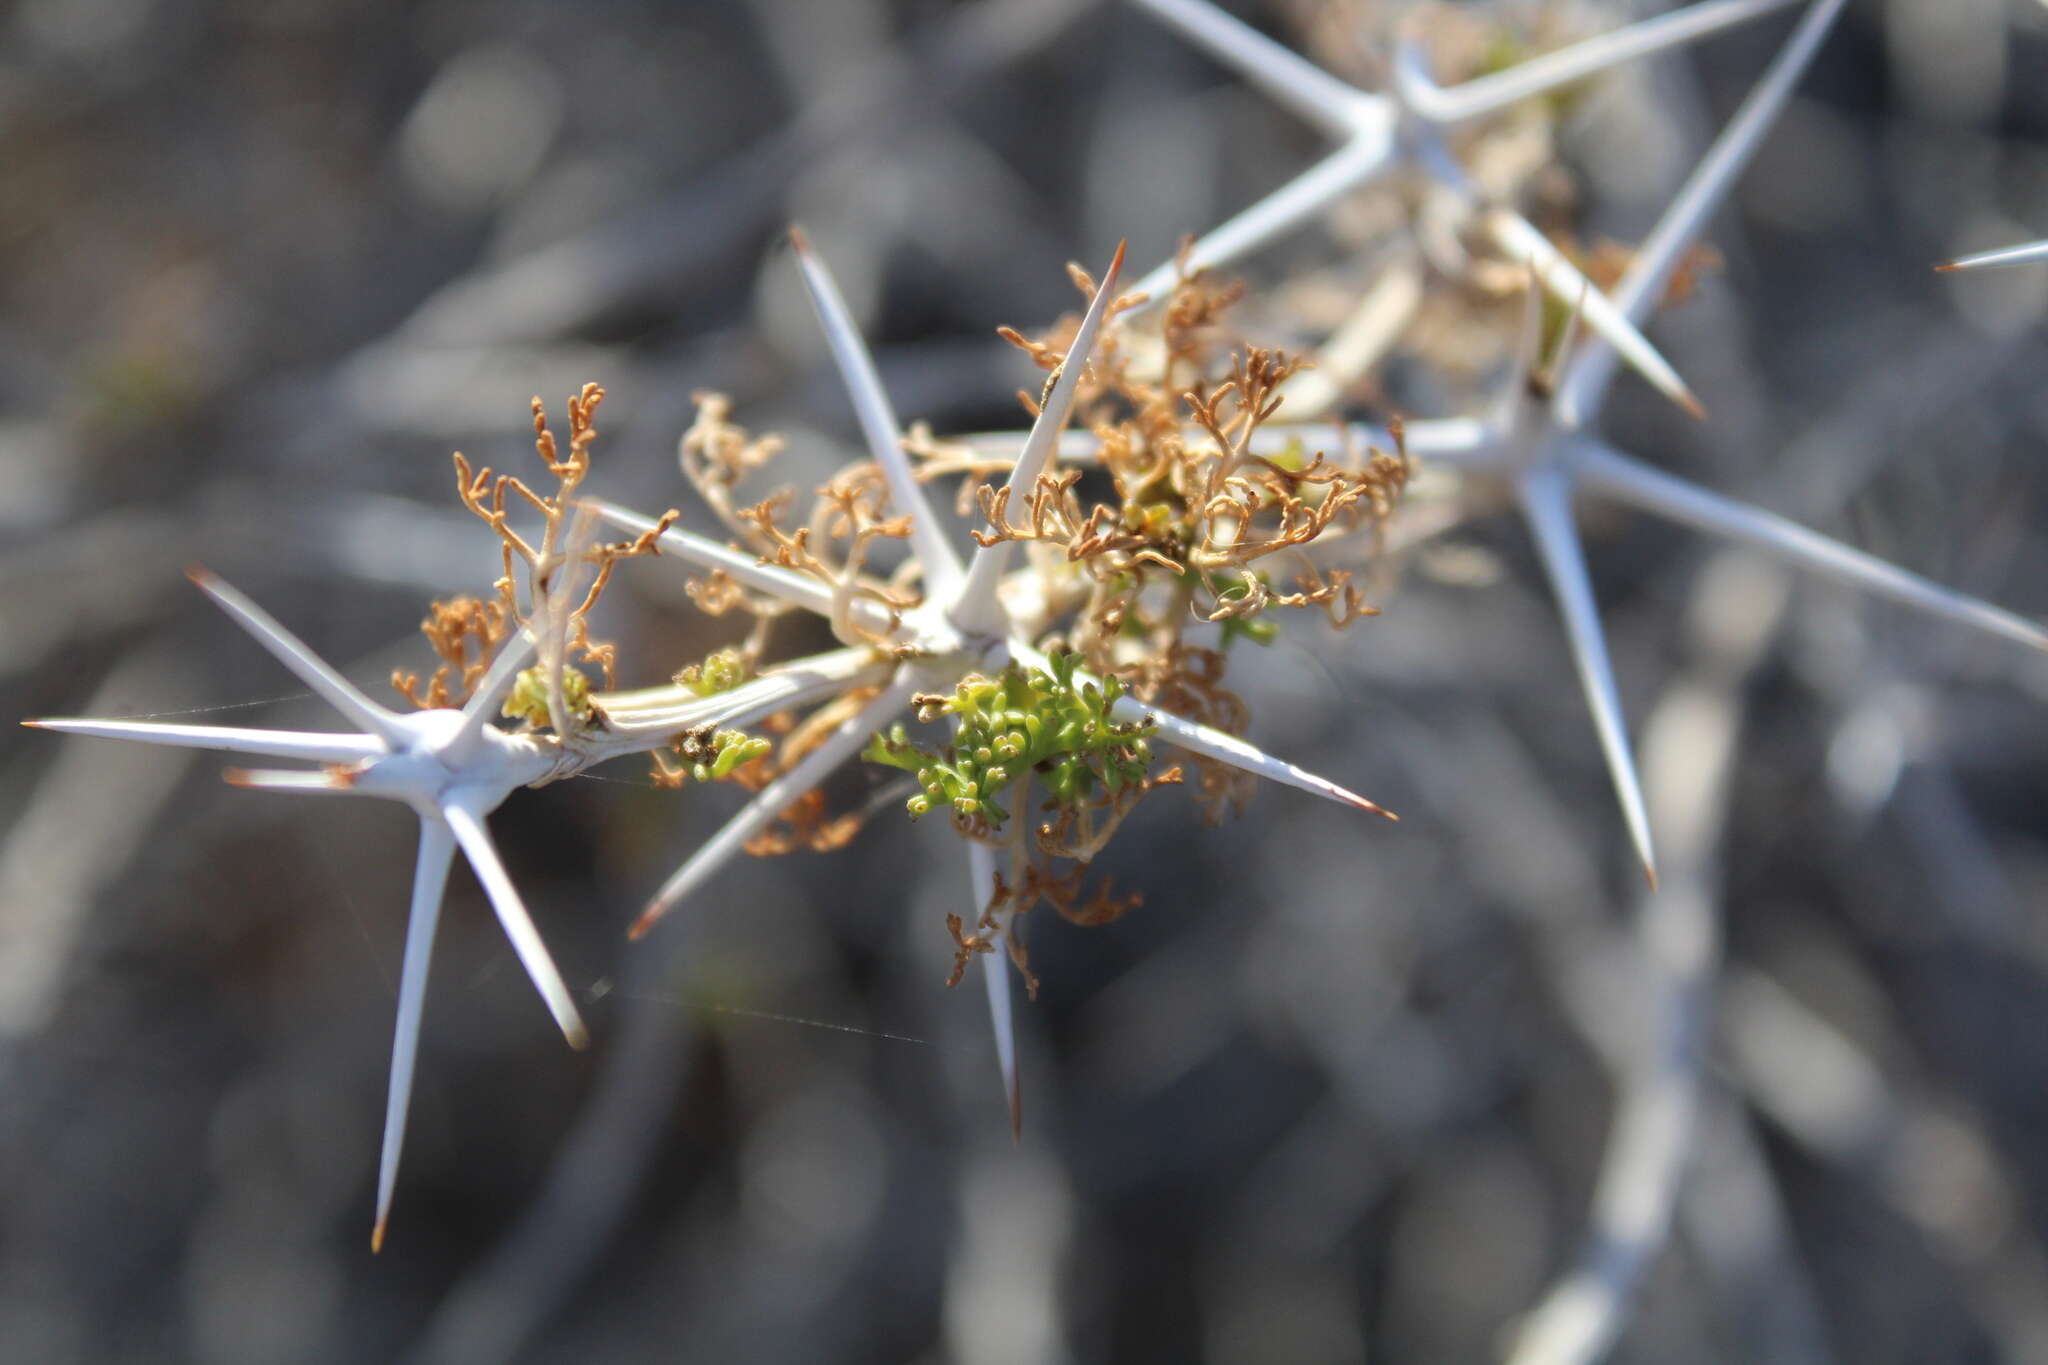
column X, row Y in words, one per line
column 1337, row 1092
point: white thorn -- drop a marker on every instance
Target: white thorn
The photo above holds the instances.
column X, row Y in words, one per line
column 1460, row 442
column 290, row 781
column 312, row 746
column 1547, row 506
column 338, row 692
column 1227, row 748
column 490, row 693
column 2011, row 255
column 1626, row 480
column 1360, row 343
column 808, row 771
column 1585, row 383
column 660, row 713
column 976, row 609
column 1362, row 157
column 1519, row 240
column 1076, row 445
column 429, row 888
column 476, row 843
column 1411, row 82
column 1287, row 77
column 995, row 978
column 1457, row 442
column 746, row 570
column 1602, row 52
column 878, row 421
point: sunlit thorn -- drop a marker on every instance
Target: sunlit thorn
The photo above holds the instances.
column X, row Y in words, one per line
column 475, row 841
column 1521, row 242
column 768, row 803
column 1605, row 471
column 285, row 780
column 996, row 974
column 1210, row 742
column 1585, row 383
column 491, row 692
column 976, row 609
column 312, row 746
column 877, row 418
column 1591, row 57
column 1547, row 510
column 337, row 691
column 995, row 979
column 2026, row 254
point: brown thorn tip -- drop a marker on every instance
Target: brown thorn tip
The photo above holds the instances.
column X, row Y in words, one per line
column 579, row 1037
column 1353, row 798
column 1947, row 267
column 200, row 575
column 1692, row 406
column 797, row 238
column 377, row 1237
column 642, row 925
column 236, row 777
column 1650, row 873
column 34, row 724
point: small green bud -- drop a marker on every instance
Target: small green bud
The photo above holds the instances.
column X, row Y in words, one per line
column 528, row 700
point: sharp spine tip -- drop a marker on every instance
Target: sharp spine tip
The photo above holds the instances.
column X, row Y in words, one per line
column 377, row 1237
column 1352, row 798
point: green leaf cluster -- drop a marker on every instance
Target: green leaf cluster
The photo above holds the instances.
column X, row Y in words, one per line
column 727, row 750
column 721, row 671
column 1022, row 722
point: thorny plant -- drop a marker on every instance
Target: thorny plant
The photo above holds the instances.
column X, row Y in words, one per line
column 967, row 642
column 1197, row 500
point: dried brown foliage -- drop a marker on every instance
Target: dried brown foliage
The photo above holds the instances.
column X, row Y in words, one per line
column 466, row 632
column 848, row 516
